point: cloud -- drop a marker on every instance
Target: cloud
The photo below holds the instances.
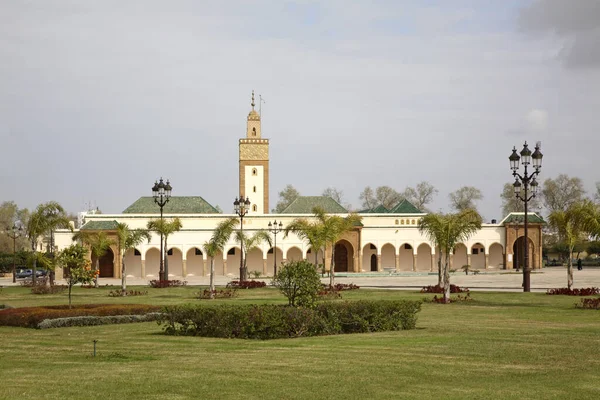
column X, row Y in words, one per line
column 537, row 120
column 575, row 23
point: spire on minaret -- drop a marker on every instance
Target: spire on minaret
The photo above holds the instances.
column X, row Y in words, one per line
column 252, row 104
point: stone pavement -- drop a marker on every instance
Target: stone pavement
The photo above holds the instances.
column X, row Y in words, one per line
column 541, row 280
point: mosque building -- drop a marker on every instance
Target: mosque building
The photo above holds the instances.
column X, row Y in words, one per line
column 385, row 241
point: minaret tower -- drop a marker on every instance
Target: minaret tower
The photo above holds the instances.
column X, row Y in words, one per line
column 254, row 165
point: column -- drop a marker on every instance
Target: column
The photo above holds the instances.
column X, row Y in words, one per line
column 204, row 266
column 414, row 266
column 487, row 260
column 379, row 263
column 264, row 267
column 433, row 265
column 468, row 260
column 224, row 267
column 397, row 263
column 184, row 268
column 143, row 269
column 356, row 265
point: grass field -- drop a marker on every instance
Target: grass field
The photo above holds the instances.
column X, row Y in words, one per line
column 499, row 346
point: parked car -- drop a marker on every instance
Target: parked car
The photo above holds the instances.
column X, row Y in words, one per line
column 27, row 273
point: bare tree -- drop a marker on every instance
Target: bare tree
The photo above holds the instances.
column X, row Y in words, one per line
column 335, row 194
column 465, row 198
column 383, row 195
column 421, row 195
column 510, row 203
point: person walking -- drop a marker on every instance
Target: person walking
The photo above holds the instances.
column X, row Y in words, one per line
column 579, row 264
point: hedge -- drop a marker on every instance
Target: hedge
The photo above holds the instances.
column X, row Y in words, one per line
column 95, row 320
column 31, row 317
column 267, row 321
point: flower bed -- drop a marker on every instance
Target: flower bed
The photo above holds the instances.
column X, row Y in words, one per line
column 155, row 283
column 30, row 317
column 574, row 292
column 440, row 289
column 251, row 284
column 589, row 304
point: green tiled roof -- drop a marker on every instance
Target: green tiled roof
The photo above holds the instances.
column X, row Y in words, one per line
column 532, row 218
column 99, row 226
column 176, row 205
column 380, row 209
column 305, row 205
column 405, row 207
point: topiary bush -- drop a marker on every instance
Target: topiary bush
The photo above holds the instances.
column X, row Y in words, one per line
column 251, row 284
column 268, row 321
column 299, row 282
column 95, row 320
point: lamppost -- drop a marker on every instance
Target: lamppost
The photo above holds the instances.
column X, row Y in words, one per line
column 274, row 228
column 241, row 208
column 14, row 233
column 526, row 181
column 161, row 193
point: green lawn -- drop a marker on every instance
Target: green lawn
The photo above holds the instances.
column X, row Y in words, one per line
column 499, row 346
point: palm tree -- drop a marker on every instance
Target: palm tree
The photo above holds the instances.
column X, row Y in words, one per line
column 573, row 225
column 217, row 242
column 166, row 228
column 250, row 243
column 99, row 243
column 333, row 227
column 446, row 231
column 46, row 217
column 312, row 232
column 128, row 239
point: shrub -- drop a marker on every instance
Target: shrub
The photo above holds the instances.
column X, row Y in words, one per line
column 440, row 289
column 160, row 284
column 227, row 293
column 333, row 292
column 574, row 292
column 252, row 284
column 119, row 293
column 39, row 281
column 43, row 289
column 589, row 304
column 299, row 282
column 95, row 320
column 30, row 317
column 267, row 321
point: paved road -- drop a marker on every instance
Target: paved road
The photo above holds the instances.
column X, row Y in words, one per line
column 541, row 280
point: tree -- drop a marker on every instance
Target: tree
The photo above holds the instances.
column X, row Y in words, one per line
column 465, row 198
column 299, row 282
column 286, row 197
column 560, row 193
column 312, row 232
column 128, row 239
column 250, row 243
column 46, row 217
column 383, row 195
column 165, row 227
column 447, row 231
column 593, row 247
column 217, row 242
column 597, row 194
column 573, row 225
column 421, row 195
column 510, row 203
column 99, row 243
column 335, row 194
column 11, row 215
column 74, row 260
column 333, row 228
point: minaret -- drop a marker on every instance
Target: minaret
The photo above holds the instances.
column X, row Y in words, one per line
column 254, row 165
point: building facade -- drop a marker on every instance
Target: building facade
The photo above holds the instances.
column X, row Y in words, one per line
column 386, row 241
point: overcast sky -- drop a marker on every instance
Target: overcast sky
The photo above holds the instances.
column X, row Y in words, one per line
column 100, row 98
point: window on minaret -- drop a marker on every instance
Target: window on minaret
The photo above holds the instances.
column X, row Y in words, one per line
column 253, row 131
column 254, row 208
column 254, row 189
column 254, row 172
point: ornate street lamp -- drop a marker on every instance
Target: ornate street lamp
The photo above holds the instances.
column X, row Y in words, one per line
column 14, row 233
column 526, row 182
column 161, row 193
column 241, row 208
column 274, row 228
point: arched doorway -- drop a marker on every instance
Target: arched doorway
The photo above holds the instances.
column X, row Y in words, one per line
column 373, row 263
column 344, row 256
column 519, row 253
column 106, row 267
